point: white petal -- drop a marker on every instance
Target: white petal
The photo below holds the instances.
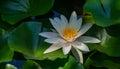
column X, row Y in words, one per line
column 84, row 29
column 66, row 48
column 53, row 48
column 77, row 54
column 73, row 18
column 64, row 20
column 55, row 40
column 78, row 24
column 87, row 39
column 58, row 20
column 74, row 22
column 61, row 22
column 49, row 34
column 55, row 25
column 80, row 46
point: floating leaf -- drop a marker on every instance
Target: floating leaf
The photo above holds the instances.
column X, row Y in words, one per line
column 48, row 64
column 72, row 64
column 29, row 64
column 25, row 38
column 109, row 44
column 101, row 60
column 15, row 10
column 5, row 53
column 98, row 12
column 51, row 56
column 105, row 12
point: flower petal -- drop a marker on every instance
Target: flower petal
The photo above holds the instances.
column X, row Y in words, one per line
column 55, row 40
column 77, row 54
column 55, row 25
column 80, row 46
column 66, row 48
column 84, row 29
column 64, row 20
column 49, row 34
column 74, row 22
column 73, row 18
column 53, row 48
column 87, row 39
column 61, row 22
column 58, row 20
column 78, row 24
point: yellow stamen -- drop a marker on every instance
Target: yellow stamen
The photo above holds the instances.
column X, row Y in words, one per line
column 69, row 32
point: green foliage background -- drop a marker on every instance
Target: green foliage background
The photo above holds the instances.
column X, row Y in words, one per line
column 22, row 20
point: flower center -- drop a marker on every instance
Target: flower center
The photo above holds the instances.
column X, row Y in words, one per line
column 69, row 32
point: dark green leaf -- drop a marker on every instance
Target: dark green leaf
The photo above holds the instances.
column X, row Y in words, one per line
column 105, row 12
column 72, row 64
column 51, row 56
column 2, row 66
column 109, row 44
column 5, row 53
column 25, row 38
column 48, row 64
column 101, row 60
column 114, row 30
column 115, row 9
column 100, row 10
column 1, row 31
column 29, row 64
column 15, row 10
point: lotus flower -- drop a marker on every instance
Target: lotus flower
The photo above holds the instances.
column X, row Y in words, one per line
column 69, row 36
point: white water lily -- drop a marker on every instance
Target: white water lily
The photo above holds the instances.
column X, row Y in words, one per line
column 69, row 36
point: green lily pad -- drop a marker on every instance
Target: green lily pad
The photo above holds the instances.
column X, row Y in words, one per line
column 72, row 64
column 99, row 60
column 104, row 12
column 6, row 53
column 110, row 45
column 14, row 11
column 25, row 38
column 29, row 64
column 99, row 14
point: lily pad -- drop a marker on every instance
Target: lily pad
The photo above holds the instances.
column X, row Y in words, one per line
column 14, row 11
